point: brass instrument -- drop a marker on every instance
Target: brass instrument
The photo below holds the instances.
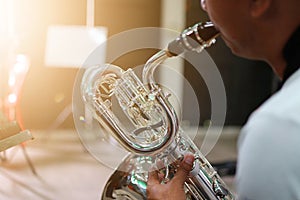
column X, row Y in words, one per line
column 148, row 127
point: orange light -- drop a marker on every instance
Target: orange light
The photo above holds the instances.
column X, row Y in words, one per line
column 12, row 98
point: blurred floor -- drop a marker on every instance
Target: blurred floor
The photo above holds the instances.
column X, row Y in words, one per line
column 66, row 171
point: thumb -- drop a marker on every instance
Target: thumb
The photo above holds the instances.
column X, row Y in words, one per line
column 185, row 167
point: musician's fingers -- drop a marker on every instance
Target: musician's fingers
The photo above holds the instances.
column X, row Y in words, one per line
column 153, row 177
column 185, row 167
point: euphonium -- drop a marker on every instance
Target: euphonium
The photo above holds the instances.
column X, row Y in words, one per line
column 148, row 126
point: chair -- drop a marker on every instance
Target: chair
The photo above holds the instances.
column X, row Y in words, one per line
column 12, row 135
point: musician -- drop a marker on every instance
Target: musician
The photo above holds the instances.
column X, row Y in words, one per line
column 269, row 144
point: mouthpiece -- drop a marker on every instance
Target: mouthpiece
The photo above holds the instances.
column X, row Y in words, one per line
column 195, row 38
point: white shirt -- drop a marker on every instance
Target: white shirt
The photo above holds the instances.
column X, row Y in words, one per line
column 269, row 147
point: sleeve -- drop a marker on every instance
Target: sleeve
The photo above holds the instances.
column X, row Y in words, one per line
column 269, row 159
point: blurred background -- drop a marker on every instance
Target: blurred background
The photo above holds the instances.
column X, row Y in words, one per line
column 47, row 90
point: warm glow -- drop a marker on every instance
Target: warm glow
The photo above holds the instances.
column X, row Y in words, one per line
column 7, row 20
column 18, row 71
column 21, row 65
column 12, row 80
column 24, row 30
column 12, row 98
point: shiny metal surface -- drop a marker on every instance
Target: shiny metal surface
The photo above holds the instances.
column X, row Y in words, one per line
column 149, row 129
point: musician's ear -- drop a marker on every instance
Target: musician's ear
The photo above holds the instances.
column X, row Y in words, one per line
column 259, row 7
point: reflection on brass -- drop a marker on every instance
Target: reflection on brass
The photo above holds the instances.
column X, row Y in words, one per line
column 150, row 130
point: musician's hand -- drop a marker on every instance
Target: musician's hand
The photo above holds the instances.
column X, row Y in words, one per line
column 174, row 189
